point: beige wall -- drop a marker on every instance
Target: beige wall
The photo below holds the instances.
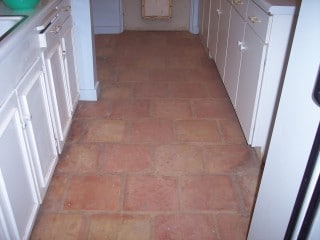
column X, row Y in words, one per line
column 134, row 21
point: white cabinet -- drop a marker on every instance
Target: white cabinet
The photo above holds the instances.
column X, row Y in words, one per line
column 250, row 80
column 250, row 54
column 233, row 60
column 67, row 40
column 204, row 9
column 37, row 122
column 18, row 199
column 214, row 28
column 223, row 34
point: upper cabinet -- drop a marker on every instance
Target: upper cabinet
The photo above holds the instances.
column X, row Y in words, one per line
column 249, row 41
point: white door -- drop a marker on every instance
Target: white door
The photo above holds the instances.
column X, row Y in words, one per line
column 38, row 125
column 225, row 10
column 236, row 34
column 18, row 199
column 250, row 79
column 69, row 61
column 58, row 87
column 214, row 28
column 294, row 131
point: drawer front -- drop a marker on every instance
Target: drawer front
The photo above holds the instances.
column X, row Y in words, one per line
column 241, row 6
column 259, row 20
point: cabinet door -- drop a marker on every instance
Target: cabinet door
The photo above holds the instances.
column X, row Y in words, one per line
column 222, row 45
column 214, row 28
column 58, row 87
column 250, row 81
column 38, row 124
column 18, row 199
column 67, row 41
column 235, row 41
column 206, row 22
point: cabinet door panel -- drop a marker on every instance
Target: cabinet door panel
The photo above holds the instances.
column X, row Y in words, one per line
column 233, row 60
column 222, row 45
column 34, row 105
column 214, row 28
column 60, row 95
column 18, row 199
column 206, row 15
column 250, row 81
column 69, row 60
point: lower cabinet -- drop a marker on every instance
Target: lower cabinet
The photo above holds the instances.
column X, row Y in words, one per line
column 250, row 80
column 18, row 199
column 35, row 113
column 233, row 60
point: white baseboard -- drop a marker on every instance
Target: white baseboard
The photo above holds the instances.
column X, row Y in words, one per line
column 90, row 94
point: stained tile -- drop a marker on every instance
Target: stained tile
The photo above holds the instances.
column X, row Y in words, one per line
column 189, row 90
column 233, row 226
column 127, row 158
column 231, row 131
column 79, row 158
column 185, row 227
column 53, row 226
column 171, row 159
column 151, row 193
column 217, row 108
column 77, row 129
column 169, row 75
column 248, row 186
column 208, row 193
column 93, row 109
column 130, row 109
column 100, row 130
column 151, row 90
column 172, row 109
column 93, row 192
column 197, row 131
column 230, row 159
column 117, row 91
column 151, row 131
column 53, row 200
column 119, row 227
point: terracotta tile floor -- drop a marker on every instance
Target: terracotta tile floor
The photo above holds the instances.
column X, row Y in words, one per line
column 160, row 156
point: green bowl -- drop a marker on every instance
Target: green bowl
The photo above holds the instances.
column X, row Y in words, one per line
column 21, row 4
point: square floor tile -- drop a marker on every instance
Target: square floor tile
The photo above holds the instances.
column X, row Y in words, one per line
column 233, row 226
column 230, row 159
column 151, row 193
column 130, row 109
column 93, row 109
column 185, row 227
column 124, row 158
column 197, row 131
column 172, row 109
column 52, row 226
column 119, row 227
column 151, row 131
column 248, row 187
column 151, row 90
column 208, row 193
column 79, row 158
column 189, row 90
column 231, row 131
column 173, row 159
column 93, row 192
column 215, row 108
column 100, row 130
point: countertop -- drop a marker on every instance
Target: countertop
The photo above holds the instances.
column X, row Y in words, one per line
column 35, row 17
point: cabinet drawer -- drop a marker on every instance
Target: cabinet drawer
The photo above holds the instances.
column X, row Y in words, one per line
column 259, row 20
column 241, row 6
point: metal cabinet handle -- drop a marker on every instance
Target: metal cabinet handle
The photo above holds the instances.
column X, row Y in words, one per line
column 55, row 29
column 219, row 11
column 254, row 19
column 237, row 2
column 66, row 8
column 242, row 46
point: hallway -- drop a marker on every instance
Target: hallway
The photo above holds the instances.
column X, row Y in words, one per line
column 160, row 156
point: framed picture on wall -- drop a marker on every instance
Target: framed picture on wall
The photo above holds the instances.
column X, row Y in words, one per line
column 157, row 9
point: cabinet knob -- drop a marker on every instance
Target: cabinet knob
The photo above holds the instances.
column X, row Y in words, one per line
column 219, row 11
column 55, row 29
column 242, row 46
column 237, row 2
column 254, row 19
column 66, row 8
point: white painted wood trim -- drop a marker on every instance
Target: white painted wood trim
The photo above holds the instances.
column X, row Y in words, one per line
column 193, row 21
